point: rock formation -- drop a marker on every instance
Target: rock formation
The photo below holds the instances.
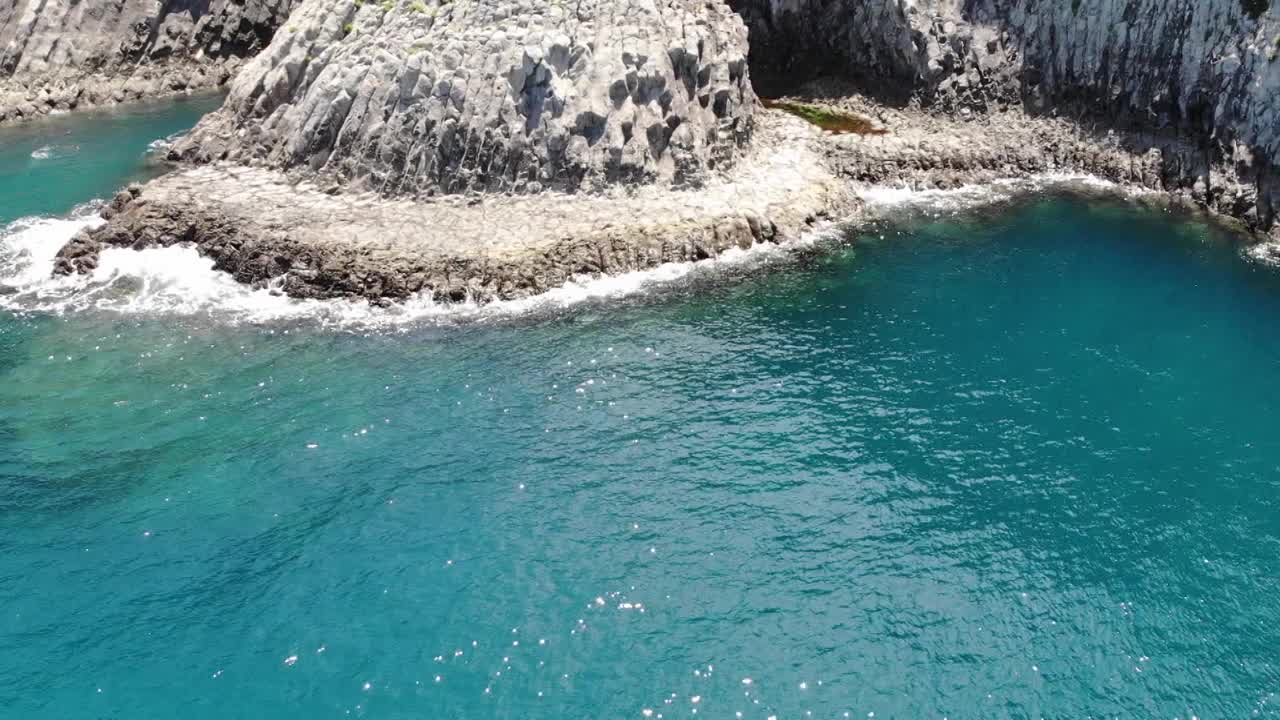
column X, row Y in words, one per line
column 493, row 148
column 480, row 149
column 1195, row 80
column 61, row 54
column 415, row 97
column 313, row 244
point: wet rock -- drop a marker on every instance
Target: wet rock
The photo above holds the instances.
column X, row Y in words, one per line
column 314, row 244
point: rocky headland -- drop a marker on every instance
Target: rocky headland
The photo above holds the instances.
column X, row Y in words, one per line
column 492, row 150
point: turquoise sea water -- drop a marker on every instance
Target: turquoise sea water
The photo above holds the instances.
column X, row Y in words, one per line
column 1014, row 462
column 48, row 166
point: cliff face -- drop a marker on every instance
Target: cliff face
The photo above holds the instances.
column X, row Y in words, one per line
column 65, row 53
column 55, row 38
column 415, row 97
column 1205, row 71
column 1197, row 81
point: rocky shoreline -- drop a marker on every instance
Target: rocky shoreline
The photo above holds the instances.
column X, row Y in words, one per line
column 480, row 151
column 310, row 241
column 91, row 53
column 931, row 150
column 33, row 98
column 264, row 229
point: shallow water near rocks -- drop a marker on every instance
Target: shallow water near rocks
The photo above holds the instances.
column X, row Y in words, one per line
column 49, row 165
column 1014, row 462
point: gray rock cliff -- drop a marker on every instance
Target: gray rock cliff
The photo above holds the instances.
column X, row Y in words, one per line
column 418, row 97
column 60, row 54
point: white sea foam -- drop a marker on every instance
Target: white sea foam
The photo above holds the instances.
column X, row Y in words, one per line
column 162, row 145
column 1267, row 252
column 971, row 196
column 28, row 247
column 46, row 152
column 178, row 281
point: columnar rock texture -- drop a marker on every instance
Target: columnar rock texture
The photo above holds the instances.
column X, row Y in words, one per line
column 1197, row 80
column 420, row 97
column 66, row 53
column 1201, row 70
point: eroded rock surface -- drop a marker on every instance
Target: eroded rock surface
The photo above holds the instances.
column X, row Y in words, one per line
column 491, row 149
column 1198, row 81
column 261, row 229
column 63, row 54
column 418, row 97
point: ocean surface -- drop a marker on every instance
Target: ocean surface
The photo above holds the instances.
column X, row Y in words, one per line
column 1017, row 460
column 49, row 166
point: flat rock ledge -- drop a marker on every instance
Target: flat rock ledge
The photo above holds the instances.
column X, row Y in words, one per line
column 925, row 151
column 309, row 243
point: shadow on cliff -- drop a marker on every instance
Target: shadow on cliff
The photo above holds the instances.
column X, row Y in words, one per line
column 787, row 57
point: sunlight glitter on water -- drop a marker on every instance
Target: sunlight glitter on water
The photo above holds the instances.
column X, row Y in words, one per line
column 1009, row 463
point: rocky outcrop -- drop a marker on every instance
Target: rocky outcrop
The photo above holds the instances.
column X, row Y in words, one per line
column 480, row 149
column 1196, row 81
column 419, row 97
column 313, row 244
column 62, row 54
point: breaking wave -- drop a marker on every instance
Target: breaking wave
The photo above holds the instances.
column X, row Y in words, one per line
column 47, row 152
column 965, row 197
column 160, row 146
column 178, row 281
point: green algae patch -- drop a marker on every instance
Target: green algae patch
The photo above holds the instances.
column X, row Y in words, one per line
column 829, row 119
